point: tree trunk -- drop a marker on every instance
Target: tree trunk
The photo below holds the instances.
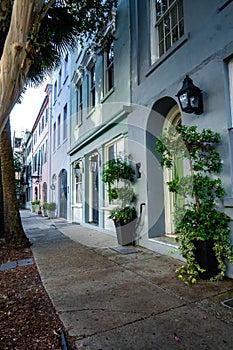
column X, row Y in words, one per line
column 1, row 206
column 15, row 60
column 13, row 229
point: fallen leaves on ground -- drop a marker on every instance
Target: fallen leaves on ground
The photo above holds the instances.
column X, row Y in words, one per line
column 28, row 319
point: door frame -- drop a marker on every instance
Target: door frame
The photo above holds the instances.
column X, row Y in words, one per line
column 173, row 118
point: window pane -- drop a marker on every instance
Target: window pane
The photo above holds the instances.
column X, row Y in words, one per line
column 168, row 42
column 174, row 19
column 175, row 34
column 167, row 26
column 170, row 23
column 160, row 31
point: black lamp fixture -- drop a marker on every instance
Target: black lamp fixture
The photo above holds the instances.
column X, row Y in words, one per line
column 190, row 97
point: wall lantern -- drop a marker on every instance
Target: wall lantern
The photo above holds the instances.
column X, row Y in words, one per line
column 190, row 97
column 52, row 187
column 77, row 170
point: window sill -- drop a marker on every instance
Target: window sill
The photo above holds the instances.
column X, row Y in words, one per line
column 228, row 202
column 169, row 53
column 106, row 96
column 224, row 5
column 65, row 79
column 92, row 111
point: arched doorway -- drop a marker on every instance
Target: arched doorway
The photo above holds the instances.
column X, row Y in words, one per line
column 157, row 197
column 63, row 193
column 172, row 200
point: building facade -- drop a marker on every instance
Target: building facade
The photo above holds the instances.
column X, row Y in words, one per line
column 170, row 40
column 100, row 103
column 119, row 102
column 59, row 139
column 39, row 152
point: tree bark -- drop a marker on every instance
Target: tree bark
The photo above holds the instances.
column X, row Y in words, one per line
column 1, row 206
column 15, row 60
column 13, row 229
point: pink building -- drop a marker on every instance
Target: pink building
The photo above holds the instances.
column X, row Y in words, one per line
column 40, row 152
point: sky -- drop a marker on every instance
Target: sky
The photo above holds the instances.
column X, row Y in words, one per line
column 24, row 115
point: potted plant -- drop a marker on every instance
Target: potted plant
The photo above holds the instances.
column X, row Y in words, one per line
column 203, row 229
column 51, row 210
column 119, row 176
column 45, row 209
column 35, row 205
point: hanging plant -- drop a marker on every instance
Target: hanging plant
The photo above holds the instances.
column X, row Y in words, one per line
column 118, row 174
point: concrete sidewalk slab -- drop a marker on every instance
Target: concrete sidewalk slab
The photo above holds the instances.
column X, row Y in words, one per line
column 108, row 300
column 182, row 328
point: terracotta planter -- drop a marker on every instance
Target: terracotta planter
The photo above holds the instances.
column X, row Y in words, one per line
column 206, row 258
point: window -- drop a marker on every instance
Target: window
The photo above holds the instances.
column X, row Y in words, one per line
column 112, row 150
column 35, row 163
column 35, row 138
column 54, row 137
column 91, row 87
column 42, row 154
column 79, row 96
column 45, row 151
column 78, row 182
column 230, row 79
column 55, row 92
column 115, row 148
column 39, row 170
column 59, row 80
column 46, row 116
column 59, row 130
column 66, row 66
column 109, row 68
column 168, row 23
column 65, row 122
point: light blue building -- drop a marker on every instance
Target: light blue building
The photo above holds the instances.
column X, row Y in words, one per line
column 120, row 101
column 100, row 100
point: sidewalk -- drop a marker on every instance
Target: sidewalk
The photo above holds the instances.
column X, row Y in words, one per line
column 113, row 301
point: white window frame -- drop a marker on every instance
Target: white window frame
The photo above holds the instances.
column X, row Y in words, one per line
column 160, row 21
column 79, row 104
column 230, row 79
column 118, row 151
column 54, row 136
column 109, row 69
column 65, row 113
column 59, row 130
column 91, row 87
column 78, row 193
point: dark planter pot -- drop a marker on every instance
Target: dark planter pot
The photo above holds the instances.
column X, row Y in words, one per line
column 206, row 258
column 126, row 233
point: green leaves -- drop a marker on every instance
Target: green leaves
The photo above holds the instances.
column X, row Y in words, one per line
column 67, row 24
column 117, row 169
column 198, row 219
column 123, row 215
column 119, row 175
